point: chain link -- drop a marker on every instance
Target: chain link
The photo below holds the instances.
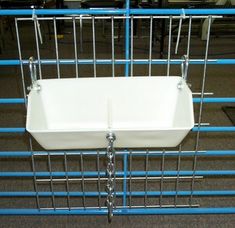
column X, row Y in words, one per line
column 110, row 173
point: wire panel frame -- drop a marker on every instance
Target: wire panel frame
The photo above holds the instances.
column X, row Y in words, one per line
column 147, row 181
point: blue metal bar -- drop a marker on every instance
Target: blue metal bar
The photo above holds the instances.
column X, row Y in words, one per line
column 12, row 101
column 45, row 12
column 24, row 154
column 15, row 62
column 127, row 38
column 125, row 211
column 195, row 100
column 215, row 100
column 120, row 173
column 182, row 12
column 125, row 167
column 214, row 129
column 195, row 129
column 120, row 194
column 118, row 12
column 12, row 130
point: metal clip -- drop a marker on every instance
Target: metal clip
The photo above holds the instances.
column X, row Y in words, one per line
column 33, row 75
column 110, row 173
column 34, row 18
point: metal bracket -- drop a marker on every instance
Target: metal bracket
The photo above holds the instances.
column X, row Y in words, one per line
column 110, row 172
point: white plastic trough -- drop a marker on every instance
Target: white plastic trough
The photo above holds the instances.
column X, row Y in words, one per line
column 140, row 111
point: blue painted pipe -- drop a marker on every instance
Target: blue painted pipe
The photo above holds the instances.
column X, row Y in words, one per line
column 120, row 194
column 121, row 173
column 125, row 168
column 46, row 12
column 118, row 153
column 214, row 129
column 182, row 12
column 127, row 38
column 195, row 129
column 124, row 211
column 215, row 100
column 175, row 211
column 195, row 100
column 12, row 101
column 117, row 12
column 12, row 130
column 15, row 62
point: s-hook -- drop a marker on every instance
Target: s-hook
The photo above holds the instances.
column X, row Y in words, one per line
column 33, row 75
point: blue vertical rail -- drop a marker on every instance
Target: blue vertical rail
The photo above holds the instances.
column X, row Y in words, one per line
column 127, row 38
column 125, row 171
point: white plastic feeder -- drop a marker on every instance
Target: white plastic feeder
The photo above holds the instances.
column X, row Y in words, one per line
column 141, row 111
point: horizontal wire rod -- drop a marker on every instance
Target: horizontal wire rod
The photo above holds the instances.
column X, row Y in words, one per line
column 120, row 179
column 86, row 17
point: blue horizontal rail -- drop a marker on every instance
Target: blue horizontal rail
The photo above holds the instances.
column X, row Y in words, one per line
column 194, row 129
column 120, row 194
column 24, row 154
column 117, row 12
column 120, row 173
column 124, row 211
column 12, row 101
column 16, row 62
column 195, row 100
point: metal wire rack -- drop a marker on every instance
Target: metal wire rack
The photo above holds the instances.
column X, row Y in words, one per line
column 147, row 181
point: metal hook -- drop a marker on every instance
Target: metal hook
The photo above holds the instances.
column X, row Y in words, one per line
column 33, row 75
column 184, row 67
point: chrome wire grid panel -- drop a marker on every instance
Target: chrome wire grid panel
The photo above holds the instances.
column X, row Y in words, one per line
column 183, row 180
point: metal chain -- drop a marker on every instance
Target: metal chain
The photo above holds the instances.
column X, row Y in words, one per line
column 110, row 173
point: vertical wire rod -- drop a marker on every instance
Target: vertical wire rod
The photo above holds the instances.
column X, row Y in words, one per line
column 146, row 177
column 169, row 47
column 150, row 45
column 189, row 35
column 178, row 35
column 115, row 179
column 178, row 176
column 130, row 180
column 56, row 48
column 75, row 46
column 83, row 181
column 67, row 179
column 81, row 33
column 94, row 46
column 132, row 45
column 37, row 46
column 113, row 49
column 51, row 181
column 98, row 179
column 162, row 177
column 200, row 111
column 21, row 62
column 34, row 174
